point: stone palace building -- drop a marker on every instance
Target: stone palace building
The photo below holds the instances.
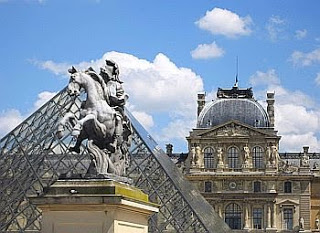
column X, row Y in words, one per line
column 234, row 161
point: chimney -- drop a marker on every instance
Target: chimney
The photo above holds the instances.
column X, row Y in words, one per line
column 201, row 102
column 270, row 107
column 169, row 149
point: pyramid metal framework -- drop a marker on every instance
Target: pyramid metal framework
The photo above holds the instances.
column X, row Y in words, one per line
column 32, row 159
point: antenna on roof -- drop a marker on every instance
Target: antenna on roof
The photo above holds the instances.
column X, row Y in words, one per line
column 237, row 70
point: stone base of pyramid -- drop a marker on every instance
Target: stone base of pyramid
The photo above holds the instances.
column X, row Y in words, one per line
column 82, row 206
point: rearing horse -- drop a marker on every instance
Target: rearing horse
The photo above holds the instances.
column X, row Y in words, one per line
column 97, row 118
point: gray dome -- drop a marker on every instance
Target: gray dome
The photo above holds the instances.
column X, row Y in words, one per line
column 222, row 110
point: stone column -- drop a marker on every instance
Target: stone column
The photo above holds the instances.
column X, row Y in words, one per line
column 246, row 216
column 269, row 217
column 270, row 107
column 220, row 210
column 265, row 215
column 274, row 215
column 201, row 102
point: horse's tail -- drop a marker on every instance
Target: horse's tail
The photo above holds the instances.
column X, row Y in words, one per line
column 99, row 158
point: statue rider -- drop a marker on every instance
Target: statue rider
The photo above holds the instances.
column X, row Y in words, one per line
column 115, row 96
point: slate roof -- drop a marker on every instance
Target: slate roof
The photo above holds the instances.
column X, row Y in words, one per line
column 245, row 110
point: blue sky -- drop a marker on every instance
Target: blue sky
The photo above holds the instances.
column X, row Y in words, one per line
column 168, row 51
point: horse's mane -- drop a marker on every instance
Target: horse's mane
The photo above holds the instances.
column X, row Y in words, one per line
column 94, row 76
column 100, row 84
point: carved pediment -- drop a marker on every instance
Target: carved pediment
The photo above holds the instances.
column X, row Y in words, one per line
column 287, row 202
column 231, row 129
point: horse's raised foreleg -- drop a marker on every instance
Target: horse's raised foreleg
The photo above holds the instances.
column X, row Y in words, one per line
column 76, row 148
column 62, row 123
column 78, row 127
column 103, row 130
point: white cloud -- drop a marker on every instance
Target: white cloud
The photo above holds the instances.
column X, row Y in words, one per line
column 154, row 87
column 9, row 120
column 61, row 69
column 300, row 34
column 296, row 115
column 262, row 78
column 43, row 97
column 145, row 119
column 206, row 51
column 57, row 69
column 33, row 1
column 295, row 142
column 12, row 118
column 276, row 28
column 275, row 19
column 317, row 79
column 296, row 119
column 167, row 83
column 270, row 82
column 177, row 129
column 224, row 22
column 305, row 59
column 27, row 1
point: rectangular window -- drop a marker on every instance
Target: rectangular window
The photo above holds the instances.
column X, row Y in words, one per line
column 257, row 218
column 208, row 186
column 287, row 187
column 257, row 157
column 208, row 158
column 288, row 218
column 257, row 187
column 233, row 156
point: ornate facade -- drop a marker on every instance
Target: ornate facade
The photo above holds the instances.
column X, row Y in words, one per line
column 234, row 161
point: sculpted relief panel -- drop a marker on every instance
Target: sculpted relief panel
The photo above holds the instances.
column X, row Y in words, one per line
column 232, row 185
column 232, row 130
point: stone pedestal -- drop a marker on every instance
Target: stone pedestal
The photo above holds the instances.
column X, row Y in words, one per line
column 95, row 206
column 219, row 170
column 306, row 231
column 271, row 230
column 245, row 169
column 271, row 169
column 304, row 170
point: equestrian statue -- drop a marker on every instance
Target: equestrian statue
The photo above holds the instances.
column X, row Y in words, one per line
column 102, row 120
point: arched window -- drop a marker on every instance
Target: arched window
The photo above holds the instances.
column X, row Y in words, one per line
column 208, row 158
column 233, row 157
column 287, row 187
column 257, row 157
column 257, row 186
column 233, row 216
